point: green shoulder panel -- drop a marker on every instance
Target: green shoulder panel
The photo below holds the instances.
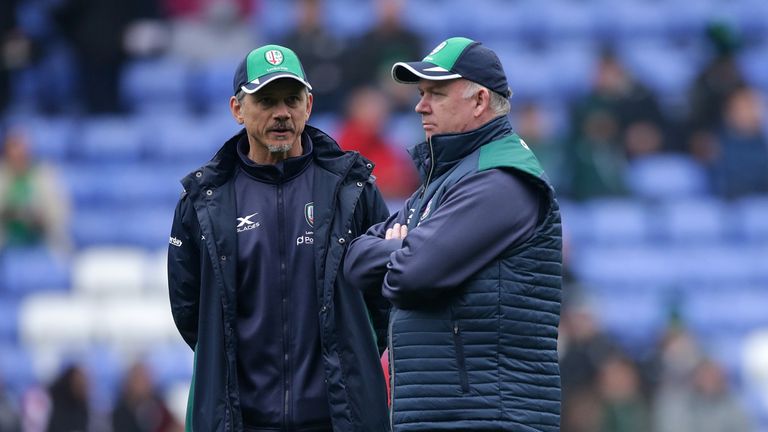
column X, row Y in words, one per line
column 509, row 152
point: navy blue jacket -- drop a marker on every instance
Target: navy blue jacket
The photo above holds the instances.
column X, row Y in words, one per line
column 475, row 287
column 202, row 273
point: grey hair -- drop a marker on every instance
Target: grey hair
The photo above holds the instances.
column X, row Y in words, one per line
column 498, row 103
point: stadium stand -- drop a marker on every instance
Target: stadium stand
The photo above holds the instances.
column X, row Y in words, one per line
column 670, row 240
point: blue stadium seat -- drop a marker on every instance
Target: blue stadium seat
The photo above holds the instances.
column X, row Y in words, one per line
column 349, row 18
column 25, row 271
column 143, row 226
column 50, row 138
column 666, row 176
column 618, row 221
column 16, row 368
column 754, row 66
column 666, row 70
column 274, row 19
column 750, row 218
column 619, row 266
column 633, row 318
column 693, row 221
column 729, row 309
column 9, row 320
column 213, row 82
column 170, row 363
column 156, row 84
column 110, row 139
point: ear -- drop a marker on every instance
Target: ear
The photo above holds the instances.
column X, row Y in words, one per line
column 235, row 109
column 310, row 99
column 482, row 101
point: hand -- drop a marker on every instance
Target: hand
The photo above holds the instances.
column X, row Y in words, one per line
column 397, row 232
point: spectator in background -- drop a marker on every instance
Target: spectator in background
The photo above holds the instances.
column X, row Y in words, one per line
column 70, row 410
column 623, row 405
column 616, row 91
column 363, row 131
column 704, row 404
column 597, row 163
column 96, row 30
column 710, row 90
column 139, row 408
column 322, row 54
column 740, row 158
column 370, row 62
column 10, row 420
column 33, row 207
column 15, row 49
column 536, row 126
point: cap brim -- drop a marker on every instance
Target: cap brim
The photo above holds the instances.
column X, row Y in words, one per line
column 412, row 72
column 255, row 85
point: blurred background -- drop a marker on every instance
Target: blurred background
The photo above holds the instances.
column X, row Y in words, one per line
column 648, row 115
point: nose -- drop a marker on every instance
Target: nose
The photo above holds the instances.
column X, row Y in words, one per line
column 281, row 112
column 422, row 107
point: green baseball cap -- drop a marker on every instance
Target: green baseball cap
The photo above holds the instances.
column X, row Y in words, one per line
column 266, row 64
column 457, row 57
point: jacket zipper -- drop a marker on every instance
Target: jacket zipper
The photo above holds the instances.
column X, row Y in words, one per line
column 431, row 167
column 459, row 345
column 284, row 298
column 391, row 354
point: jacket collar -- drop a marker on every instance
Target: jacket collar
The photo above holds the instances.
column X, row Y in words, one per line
column 449, row 149
column 279, row 172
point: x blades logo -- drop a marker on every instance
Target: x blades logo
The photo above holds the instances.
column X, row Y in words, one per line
column 245, row 223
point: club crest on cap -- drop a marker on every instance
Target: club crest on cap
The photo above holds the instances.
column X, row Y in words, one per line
column 274, row 57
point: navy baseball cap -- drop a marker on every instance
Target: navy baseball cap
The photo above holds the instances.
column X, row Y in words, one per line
column 457, row 57
column 266, row 64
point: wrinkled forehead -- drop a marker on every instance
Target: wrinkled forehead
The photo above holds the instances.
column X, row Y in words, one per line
column 441, row 85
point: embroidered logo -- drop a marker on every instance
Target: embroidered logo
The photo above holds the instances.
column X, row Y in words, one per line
column 309, row 213
column 274, row 57
column 245, row 223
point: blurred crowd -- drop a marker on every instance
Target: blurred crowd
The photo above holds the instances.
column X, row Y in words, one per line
column 79, row 49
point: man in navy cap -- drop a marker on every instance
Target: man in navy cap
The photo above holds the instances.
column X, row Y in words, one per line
column 472, row 263
column 281, row 342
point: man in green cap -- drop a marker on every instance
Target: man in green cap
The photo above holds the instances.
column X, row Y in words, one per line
column 472, row 263
column 281, row 341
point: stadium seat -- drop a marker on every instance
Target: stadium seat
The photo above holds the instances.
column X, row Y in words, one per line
column 99, row 272
column 50, row 138
column 666, row 70
column 16, row 369
column 666, row 176
column 50, row 322
column 349, row 18
column 110, row 140
column 618, row 266
column 134, row 323
column 618, row 221
column 170, row 363
column 213, row 82
column 25, row 271
column 9, row 321
column 750, row 218
column 731, row 309
column 156, row 84
column 692, row 221
column 191, row 140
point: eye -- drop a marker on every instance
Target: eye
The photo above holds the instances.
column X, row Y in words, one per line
column 266, row 101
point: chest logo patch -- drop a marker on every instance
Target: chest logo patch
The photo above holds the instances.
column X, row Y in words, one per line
column 245, row 223
column 309, row 213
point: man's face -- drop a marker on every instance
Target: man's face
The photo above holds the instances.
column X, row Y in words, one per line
column 274, row 117
column 443, row 107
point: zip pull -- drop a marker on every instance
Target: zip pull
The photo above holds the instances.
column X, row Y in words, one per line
column 456, row 328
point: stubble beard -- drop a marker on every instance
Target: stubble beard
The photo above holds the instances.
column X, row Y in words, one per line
column 282, row 148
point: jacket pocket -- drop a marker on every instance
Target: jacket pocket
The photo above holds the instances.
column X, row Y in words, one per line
column 460, row 360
